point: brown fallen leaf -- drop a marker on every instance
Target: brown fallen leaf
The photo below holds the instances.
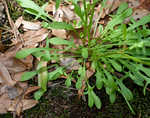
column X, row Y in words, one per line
column 50, row 7
column 27, row 25
column 31, row 89
column 31, row 38
column 5, row 76
column 59, row 33
column 19, row 22
column 4, row 103
column 145, row 4
column 22, row 105
column 139, row 9
column 14, row 65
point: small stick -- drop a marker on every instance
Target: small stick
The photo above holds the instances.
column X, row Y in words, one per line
column 12, row 24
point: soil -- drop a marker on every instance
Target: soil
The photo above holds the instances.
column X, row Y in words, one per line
column 62, row 102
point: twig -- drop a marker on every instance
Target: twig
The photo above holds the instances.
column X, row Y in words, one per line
column 12, row 24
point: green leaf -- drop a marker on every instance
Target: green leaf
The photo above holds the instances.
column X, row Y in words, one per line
column 99, row 79
column 110, row 82
column 82, row 72
column 79, row 84
column 116, row 65
column 55, row 74
column 85, row 53
column 42, row 76
column 118, row 19
column 136, row 79
column 34, row 9
column 100, row 28
column 25, row 52
column 78, row 11
column 38, row 94
column 137, row 45
column 112, row 97
column 90, row 99
column 97, row 100
column 59, row 41
column 57, row 4
column 144, row 20
column 144, row 89
column 28, row 75
column 28, row 4
column 68, row 81
column 143, row 69
column 57, row 25
column 47, row 55
column 125, row 91
column 122, row 7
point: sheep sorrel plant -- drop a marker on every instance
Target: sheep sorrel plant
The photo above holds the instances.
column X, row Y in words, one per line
column 121, row 52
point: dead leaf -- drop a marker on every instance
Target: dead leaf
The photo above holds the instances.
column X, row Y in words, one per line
column 139, row 9
column 31, row 89
column 19, row 22
column 59, row 33
column 14, row 65
column 17, row 76
column 68, row 13
column 5, row 76
column 49, row 7
column 4, row 103
column 145, row 4
column 27, row 25
column 22, row 105
column 31, row 38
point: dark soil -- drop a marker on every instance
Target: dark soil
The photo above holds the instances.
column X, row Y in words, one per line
column 62, row 102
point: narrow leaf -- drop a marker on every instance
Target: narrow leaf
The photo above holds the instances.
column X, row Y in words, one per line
column 57, row 25
column 122, row 7
column 59, row 41
column 90, row 99
column 57, row 4
column 25, row 52
column 97, row 100
column 116, row 65
column 99, row 79
column 112, row 97
column 38, row 94
column 28, row 75
column 125, row 91
column 79, row 84
column 85, row 53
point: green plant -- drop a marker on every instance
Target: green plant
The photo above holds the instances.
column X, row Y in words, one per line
column 120, row 53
